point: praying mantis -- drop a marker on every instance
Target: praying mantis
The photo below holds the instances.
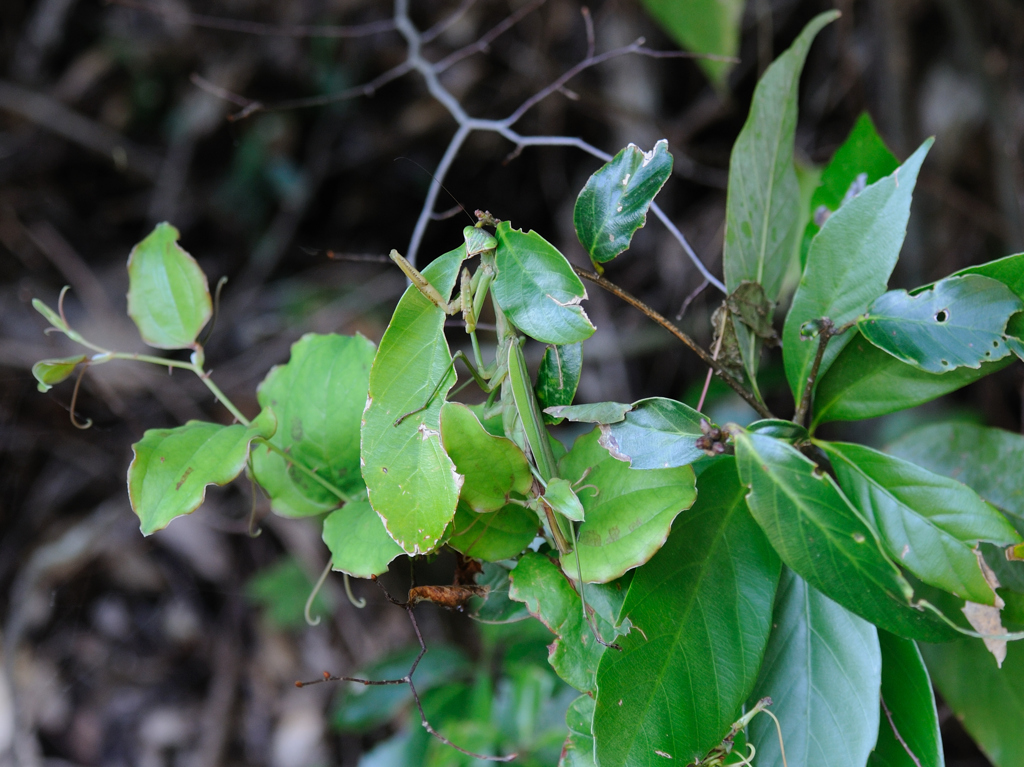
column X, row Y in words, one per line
column 412, row 483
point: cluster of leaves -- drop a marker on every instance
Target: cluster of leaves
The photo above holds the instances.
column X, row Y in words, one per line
column 802, row 570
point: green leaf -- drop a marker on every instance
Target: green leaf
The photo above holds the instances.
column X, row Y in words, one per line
column 656, row 433
column 986, row 459
column 599, row 412
column 51, row 316
column 822, row 670
column 957, row 323
column 492, row 537
column 537, row 288
column 628, row 512
column 1009, row 270
column 907, row 693
column 551, row 598
column 824, row 539
column 496, row 607
column 848, row 266
column 762, row 209
column 53, row 371
column 318, row 398
column 865, row 382
column 410, row 480
column 988, row 701
column 578, row 750
column 560, row 496
column 928, row 523
column 359, row 544
column 701, row 611
column 703, row 26
column 777, row 427
column 861, row 160
column 168, row 297
column 615, row 200
column 493, row 467
column 558, row 377
column 172, row 467
column 283, row 589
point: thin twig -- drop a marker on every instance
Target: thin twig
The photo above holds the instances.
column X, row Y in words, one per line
column 824, row 336
column 258, row 28
column 407, row 679
column 690, row 298
column 708, row 360
column 896, row 732
column 482, row 45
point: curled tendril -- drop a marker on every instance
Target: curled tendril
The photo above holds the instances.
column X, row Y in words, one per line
column 312, row 595
column 74, row 400
column 778, row 728
column 360, row 602
column 255, row 531
column 60, row 303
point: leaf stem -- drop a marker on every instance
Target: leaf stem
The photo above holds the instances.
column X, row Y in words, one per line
column 827, row 331
column 305, row 470
column 615, row 290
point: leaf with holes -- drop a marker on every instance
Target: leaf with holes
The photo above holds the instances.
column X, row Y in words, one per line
column 865, row 382
column 628, row 512
column 848, row 267
column 492, row 537
column 493, row 467
column 958, row 323
column 410, row 480
column 168, row 296
column 928, row 523
column 318, row 398
column 558, row 377
column 823, row 672
column 824, row 539
column 701, row 611
column 762, row 209
column 656, row 433
column 537, row 288
column 51, row 372
column 615, row 200
column 551, row 598
column 907, row 694
column 171, row 468
column 358, row 542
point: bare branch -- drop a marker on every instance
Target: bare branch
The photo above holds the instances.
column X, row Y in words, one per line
column 482, row 45
column 257, row 28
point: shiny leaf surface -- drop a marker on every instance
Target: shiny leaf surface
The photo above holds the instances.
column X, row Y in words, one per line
column 537, row 288
column 848, row 267
column 957, row 323
column 822, row 670
column 615, row 200
column 701, row 611
column 656, row 433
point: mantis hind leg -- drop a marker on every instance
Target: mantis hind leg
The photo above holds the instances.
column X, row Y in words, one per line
column 482, row 382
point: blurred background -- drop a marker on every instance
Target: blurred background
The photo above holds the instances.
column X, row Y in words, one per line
column 182, row 648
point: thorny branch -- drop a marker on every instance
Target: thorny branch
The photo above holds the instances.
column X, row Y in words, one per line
column 407, row 679
column 430, row 71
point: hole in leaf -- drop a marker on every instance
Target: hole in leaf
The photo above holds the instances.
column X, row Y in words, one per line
column 995, row 344
column 942, row 315
column 944, row 363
